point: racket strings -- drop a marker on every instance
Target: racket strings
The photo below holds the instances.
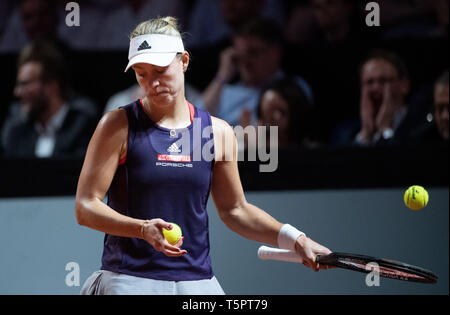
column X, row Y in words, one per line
column 384, row 271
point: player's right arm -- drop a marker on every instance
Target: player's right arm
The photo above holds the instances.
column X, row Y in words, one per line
column 107, row 147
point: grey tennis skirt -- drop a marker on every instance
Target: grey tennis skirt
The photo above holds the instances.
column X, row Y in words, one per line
column 105, row 282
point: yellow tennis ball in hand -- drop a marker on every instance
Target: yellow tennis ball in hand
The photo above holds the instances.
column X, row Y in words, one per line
column 173, row 235
column 416, row 197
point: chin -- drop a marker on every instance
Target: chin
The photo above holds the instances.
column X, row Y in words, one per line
column 164, row 99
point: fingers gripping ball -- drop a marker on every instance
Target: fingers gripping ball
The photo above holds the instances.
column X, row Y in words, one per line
column 173, row 235
column 416, row 197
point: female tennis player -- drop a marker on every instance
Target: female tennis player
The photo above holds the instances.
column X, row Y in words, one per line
column 137, row 158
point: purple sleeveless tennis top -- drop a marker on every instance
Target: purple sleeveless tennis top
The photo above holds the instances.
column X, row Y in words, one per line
column 161, row 179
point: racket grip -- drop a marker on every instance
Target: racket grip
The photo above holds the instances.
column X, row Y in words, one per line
column 270, row 253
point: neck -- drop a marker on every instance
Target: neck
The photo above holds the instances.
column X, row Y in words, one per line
column 399, row 106
column 55, row 105
column 170, row 115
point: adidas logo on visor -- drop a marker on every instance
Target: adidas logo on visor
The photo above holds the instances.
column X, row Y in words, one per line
column 144, row 45
column 154, row 49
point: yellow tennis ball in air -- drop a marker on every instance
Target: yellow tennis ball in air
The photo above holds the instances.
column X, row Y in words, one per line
column 173, row 235
column 416, row 197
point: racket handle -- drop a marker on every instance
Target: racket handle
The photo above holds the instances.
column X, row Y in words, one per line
column 270, row 253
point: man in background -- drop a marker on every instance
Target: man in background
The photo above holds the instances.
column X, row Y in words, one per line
column 46, row 122
column 255, row 58
column 436, row 129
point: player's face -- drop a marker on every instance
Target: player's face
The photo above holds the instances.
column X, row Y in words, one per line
column 162, row 85
column 441, row 109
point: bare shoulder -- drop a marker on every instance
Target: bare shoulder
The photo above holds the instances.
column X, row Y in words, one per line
column 106, row 148
column 221, row 127
column 112, row 131
column 224, row 140
column 114, row 120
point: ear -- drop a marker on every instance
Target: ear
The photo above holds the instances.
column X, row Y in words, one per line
column 185, row 60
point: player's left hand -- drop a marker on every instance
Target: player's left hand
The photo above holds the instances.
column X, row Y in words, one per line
column 308, row 250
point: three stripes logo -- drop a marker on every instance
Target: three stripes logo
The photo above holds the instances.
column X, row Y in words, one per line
column 174, row 148
column 144, row 45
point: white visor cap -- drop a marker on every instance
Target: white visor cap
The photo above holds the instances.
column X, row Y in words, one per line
column 155, row 49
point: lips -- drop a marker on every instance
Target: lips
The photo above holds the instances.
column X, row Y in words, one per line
column 161, row 90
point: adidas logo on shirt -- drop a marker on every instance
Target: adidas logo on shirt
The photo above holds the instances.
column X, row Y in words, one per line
column 174, row 148
column 144, row 45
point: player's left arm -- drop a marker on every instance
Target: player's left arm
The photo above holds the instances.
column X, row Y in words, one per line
column 226, row 190
column 239, row 215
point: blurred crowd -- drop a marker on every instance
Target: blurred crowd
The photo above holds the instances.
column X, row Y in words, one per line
column 253, row 57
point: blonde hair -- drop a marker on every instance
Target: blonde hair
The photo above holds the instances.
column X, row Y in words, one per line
column 164, row 26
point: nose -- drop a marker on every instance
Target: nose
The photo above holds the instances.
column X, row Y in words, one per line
column 377, row 86
column 376, row 89
column 155, row 83
column 18, row 91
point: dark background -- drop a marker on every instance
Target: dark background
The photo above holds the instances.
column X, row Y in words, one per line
column 331, row 70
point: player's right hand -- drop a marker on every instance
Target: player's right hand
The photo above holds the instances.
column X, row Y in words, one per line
column 153, row 233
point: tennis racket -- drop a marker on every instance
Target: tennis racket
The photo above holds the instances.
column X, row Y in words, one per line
column 386, row 268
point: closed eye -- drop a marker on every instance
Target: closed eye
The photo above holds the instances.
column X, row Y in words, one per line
column 159, row 69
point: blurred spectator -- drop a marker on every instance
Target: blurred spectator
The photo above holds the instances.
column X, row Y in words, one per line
column 102, row 22
column 213, row 21
column 414, row 19
column 441, row 105
column 92, row 13
column 323, row 20
column 385, row 85
column 46, row 124
column 441, row 11
column 436, row 131
column 6, row 7
column 117, row 25
column 395, row 11
column 285, row 105
column 255, row 56
column 301, row 25
column 334, row 18
column 32, row 20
